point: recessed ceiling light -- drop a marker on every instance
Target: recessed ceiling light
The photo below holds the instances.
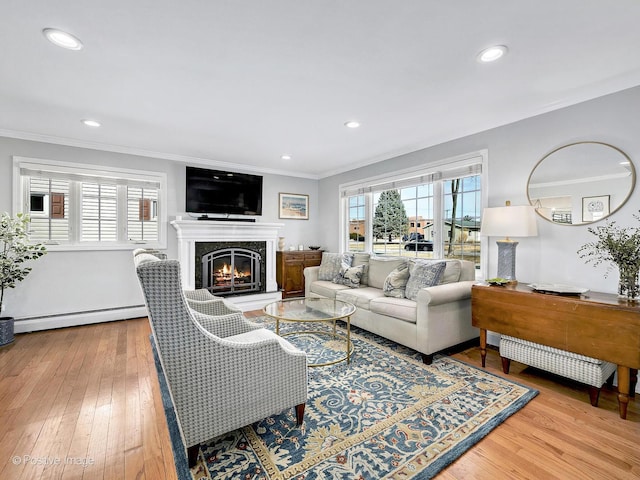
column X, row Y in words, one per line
column 62, row 39
column 91, row 123
column 352, row 124
column 492, row 54
column 286, row 157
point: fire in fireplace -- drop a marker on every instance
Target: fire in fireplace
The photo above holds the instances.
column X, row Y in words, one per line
column 231, row 269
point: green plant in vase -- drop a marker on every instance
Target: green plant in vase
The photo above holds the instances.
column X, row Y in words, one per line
column 15, row 250
column 619, row 246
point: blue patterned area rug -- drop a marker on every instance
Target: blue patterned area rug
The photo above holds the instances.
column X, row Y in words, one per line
column 386, row 415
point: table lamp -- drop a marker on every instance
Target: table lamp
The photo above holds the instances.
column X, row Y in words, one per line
column 508, row 221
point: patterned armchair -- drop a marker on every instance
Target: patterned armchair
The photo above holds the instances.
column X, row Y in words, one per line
column 223, row 372
column 203, row 301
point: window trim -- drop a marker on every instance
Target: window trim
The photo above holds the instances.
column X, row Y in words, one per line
column 402, row 178
column 78, row 170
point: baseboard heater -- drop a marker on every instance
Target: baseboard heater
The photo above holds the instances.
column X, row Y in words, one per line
column 47, row 322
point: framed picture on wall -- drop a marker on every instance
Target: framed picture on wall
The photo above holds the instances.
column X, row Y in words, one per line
column 595, row 208
column 294, row 206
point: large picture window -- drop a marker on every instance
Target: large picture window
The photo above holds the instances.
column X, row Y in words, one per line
column 430, row 212
column 90, row 207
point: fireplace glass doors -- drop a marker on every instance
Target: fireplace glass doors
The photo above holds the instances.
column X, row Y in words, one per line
column 231, row 270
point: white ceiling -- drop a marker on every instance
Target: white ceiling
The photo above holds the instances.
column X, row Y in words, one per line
column 238, row 83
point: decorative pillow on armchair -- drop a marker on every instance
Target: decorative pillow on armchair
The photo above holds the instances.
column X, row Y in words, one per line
column 396, row 281
column 421, row 275
column 332, row 263
column 350, row 276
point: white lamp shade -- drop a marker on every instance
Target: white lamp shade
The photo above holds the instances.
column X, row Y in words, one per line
column 510, row 221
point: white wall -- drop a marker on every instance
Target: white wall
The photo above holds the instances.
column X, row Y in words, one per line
column 65, row 283
column 514, row 150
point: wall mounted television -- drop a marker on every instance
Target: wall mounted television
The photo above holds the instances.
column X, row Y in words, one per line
column 222, row 192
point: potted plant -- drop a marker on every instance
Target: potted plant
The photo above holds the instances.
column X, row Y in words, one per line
column 619, row 246
column 15, row 250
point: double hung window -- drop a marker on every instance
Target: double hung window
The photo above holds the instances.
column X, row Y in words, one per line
column 90, row 207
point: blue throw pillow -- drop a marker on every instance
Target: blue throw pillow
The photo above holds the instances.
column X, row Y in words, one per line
column 332, row 263
column 350, row 276
column 421, row 275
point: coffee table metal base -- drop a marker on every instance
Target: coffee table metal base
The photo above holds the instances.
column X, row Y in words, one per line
column 315, row 310
column 334, row 334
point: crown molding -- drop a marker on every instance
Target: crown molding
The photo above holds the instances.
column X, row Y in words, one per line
column 72, row 142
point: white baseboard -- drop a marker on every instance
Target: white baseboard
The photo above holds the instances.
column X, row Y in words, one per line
column 48, row 322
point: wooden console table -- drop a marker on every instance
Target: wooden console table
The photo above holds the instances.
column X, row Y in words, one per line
column 595, row 324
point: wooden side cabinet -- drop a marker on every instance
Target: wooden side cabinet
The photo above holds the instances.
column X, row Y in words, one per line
column 290, row 270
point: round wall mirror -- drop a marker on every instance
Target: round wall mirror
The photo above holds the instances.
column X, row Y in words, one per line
column 581, row 183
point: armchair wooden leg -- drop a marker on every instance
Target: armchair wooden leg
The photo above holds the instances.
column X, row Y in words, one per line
column 594, row 395
column 300, row 413
column 192, row 455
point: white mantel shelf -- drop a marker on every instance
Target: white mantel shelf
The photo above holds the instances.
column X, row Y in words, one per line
column 191, row 231
column 216, row 231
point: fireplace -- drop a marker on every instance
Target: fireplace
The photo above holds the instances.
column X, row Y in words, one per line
column 229, row 234
column 230, row 268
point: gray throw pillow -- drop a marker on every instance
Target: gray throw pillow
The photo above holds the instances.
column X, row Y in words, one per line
column 421, row 275
column 332, row 263
column 350, row 276
column 396, row 281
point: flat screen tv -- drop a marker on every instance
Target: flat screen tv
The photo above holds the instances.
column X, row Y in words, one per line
column 220, row 192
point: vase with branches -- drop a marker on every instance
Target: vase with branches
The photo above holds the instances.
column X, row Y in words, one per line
column 15, row 250
column 619, row 246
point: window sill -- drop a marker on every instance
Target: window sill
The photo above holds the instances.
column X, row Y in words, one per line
column 103, row 247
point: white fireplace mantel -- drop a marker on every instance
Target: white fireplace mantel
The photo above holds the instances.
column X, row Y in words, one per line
column 191, row 231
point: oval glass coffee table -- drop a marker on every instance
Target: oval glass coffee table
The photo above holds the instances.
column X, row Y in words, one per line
column 310, row 310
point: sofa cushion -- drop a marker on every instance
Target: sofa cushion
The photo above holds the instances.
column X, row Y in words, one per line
column 350, row 276
column 400, row 308
column 423, row 274
column 325, row 288
column 360, row 297
column 332, row 263
column 362, row 259
column 451, row 272
column 380, row 268
column 396, row 281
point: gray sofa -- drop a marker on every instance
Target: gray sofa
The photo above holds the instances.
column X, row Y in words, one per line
column 438, row 318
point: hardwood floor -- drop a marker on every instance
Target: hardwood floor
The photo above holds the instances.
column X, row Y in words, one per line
column 79, row 395
column 90, row 394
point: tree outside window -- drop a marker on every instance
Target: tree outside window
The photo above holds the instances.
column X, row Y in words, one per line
column 390, row 221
